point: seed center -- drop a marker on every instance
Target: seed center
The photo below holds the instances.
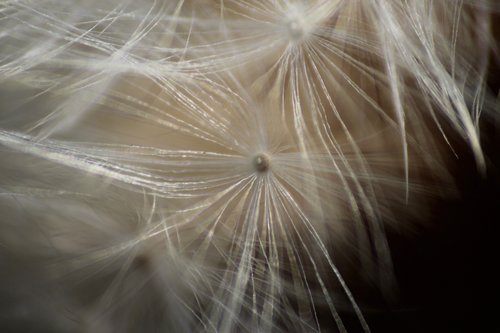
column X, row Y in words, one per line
column 295, row 29
column 261, row 163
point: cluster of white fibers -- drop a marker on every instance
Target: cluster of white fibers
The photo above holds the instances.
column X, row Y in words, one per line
column 225, row 165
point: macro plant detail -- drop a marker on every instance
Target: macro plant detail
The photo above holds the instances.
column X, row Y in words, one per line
column 223, row 166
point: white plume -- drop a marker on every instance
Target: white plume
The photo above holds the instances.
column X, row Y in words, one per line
column 226, row 165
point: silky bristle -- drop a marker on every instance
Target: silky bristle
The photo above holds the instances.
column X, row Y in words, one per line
column 229, row 165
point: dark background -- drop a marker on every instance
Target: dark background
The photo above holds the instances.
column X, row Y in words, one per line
column 448, row 276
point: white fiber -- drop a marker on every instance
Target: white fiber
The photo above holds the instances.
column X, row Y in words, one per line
column 226, row 165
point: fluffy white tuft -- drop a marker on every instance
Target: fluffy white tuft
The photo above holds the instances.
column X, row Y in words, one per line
column 227, row 165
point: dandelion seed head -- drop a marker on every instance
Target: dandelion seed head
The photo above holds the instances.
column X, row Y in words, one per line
column 224, row 159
